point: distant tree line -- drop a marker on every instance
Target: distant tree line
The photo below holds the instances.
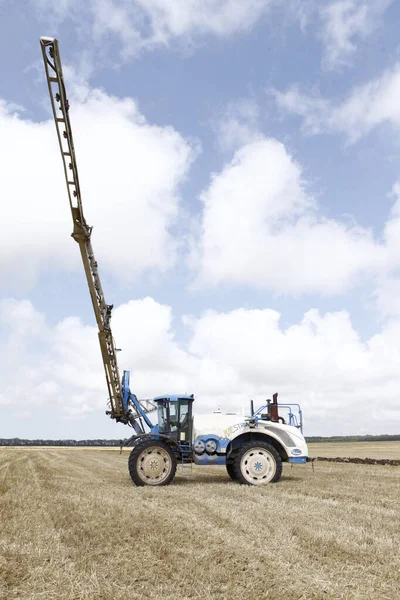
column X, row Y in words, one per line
column 356, row 438
column 98, row 442
column 38, row 442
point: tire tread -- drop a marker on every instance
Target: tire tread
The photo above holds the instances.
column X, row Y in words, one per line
column 257, row 444
column 134, row 456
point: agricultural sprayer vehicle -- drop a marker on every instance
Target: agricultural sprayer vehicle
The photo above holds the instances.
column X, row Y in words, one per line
column 253, row 448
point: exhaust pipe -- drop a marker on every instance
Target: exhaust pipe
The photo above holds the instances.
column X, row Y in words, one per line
column 273, row 408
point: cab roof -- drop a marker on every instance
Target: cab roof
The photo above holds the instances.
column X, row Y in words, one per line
column 173, row 397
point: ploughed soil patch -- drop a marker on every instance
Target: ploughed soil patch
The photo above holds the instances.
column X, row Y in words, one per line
column 359, row 461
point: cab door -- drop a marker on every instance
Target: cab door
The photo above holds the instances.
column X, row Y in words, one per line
column 185, row 420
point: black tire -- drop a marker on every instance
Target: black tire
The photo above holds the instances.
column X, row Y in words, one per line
column 152, row 462
column 265, row 455
column 230, row 466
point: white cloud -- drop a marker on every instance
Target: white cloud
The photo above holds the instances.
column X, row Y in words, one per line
column 238, row 124
column 341, row 25
column 260, row 228
column 368, row 106
column 387, row 294
column 145, row 25
column 314, row 109
column 229, row 358
column 387, row 287
column 344, row 24
column 222, row 17
column 148, row 24
column 130, row 175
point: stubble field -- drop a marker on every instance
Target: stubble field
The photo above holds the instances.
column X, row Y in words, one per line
column 72, row 526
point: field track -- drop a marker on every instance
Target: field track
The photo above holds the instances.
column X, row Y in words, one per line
column 72, row 526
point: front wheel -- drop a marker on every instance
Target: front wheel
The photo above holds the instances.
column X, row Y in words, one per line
column 257, row 463
column 230, row 467
column 152, row 463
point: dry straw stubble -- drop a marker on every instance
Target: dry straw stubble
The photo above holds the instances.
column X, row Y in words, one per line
column 74, row 527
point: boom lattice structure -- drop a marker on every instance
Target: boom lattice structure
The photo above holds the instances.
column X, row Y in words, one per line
column 82, row 231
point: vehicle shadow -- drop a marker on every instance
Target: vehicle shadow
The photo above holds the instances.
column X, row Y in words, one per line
column 291, row 478
column 214, row 479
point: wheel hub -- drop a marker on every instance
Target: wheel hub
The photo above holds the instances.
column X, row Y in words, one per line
column 258, row 466
column 154, row 465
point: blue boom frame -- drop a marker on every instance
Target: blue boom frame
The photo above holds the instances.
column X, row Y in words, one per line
column 127, row 397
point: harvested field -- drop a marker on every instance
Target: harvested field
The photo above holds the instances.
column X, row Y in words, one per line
column 73, row 526
column 356, row 449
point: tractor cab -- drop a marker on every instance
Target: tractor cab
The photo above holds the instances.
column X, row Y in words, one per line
column 175, row 418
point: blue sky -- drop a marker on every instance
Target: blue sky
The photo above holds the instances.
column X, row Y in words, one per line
column 240, row 165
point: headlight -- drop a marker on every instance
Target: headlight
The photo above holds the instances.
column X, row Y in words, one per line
column 199, row 447
column 211, row 446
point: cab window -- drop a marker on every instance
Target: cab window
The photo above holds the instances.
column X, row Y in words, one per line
column 183, row 413
column 163, row 416
column 173, row 416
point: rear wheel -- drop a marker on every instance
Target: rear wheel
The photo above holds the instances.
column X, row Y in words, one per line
column 257, row 463
column 152, row 463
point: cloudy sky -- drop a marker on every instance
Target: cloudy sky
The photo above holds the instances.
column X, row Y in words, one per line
column 240, row 163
